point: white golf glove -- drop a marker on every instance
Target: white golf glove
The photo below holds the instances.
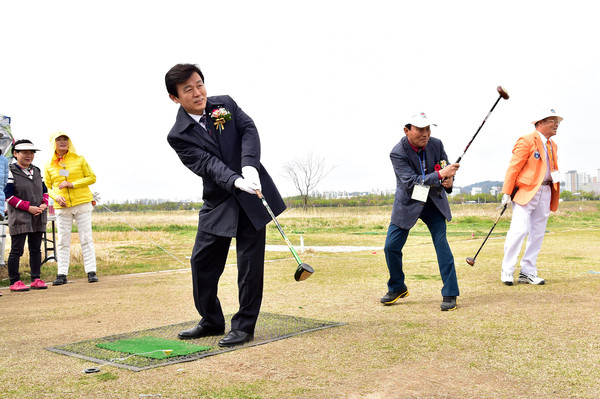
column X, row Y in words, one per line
column 246, row 185
column 250, row 173
column 506, row 199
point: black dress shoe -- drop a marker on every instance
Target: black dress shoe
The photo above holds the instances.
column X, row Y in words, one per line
column 236, row 337
column 198, row 332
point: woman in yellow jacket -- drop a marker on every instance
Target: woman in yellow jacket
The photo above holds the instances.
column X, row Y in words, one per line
column 68, row 177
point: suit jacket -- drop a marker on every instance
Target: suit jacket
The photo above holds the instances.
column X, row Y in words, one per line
column 527, row 169
column 407, row 168
column 219, row 160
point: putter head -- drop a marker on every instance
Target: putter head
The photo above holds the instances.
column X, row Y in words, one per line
column 471, row 261
column 502, row 92
column 303, row 272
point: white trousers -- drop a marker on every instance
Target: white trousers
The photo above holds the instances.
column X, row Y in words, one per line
column 82, row 214
column 529, row 219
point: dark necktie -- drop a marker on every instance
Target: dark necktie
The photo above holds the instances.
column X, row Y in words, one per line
column 204, row 125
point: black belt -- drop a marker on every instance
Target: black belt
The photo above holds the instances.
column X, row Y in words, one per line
column 547, row 183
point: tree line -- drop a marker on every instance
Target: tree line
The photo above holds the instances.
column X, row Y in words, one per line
column 315, row 202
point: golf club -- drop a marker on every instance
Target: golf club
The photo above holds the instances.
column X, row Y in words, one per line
column 504, row 95
column 303, row 271
column 471, row 261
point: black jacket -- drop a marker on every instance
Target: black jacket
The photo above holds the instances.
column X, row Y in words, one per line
column 219, row 160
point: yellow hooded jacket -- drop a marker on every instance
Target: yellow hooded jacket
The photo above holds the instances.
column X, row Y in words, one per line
column 78, row 171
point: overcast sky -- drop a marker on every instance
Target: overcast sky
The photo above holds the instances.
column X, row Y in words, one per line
column 338, row 78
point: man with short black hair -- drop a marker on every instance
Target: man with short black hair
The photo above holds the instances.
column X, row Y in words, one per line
column 423, row 177
column 217, row 141
column 533, row 170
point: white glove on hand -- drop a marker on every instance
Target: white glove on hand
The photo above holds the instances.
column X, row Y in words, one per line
column 506, row 199
column 250, row 173
column 246, row 185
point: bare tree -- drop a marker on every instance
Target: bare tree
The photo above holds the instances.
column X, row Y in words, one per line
column 306, row 173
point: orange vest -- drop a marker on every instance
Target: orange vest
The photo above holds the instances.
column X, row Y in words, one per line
column 527, row 169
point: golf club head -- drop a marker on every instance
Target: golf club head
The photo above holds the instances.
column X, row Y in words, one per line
column 303, row 272
column 502, row 92
column 471, row 261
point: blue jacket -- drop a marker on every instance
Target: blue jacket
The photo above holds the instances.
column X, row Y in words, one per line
column 407, row 167
column 218, row 160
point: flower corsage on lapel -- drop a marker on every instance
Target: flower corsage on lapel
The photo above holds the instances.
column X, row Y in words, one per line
column 220, row 116
column 440, row 165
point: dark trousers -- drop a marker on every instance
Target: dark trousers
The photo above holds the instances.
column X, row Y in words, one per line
column 34, row 242
column 396, row 238
column 208, row 262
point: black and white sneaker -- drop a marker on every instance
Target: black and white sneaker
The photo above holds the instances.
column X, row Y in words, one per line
column 506, row 278
column 531, row 279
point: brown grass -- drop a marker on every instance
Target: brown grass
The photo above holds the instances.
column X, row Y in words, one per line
column 522, row 341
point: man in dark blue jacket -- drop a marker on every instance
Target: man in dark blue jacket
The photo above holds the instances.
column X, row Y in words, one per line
column 217, row 141
column 423, row 176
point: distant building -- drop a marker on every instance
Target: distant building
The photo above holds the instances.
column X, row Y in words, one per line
column 475, row 190
column 572, row 181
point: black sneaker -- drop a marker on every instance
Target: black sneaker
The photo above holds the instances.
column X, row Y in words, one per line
column 60, row 280
column 92, row 278
column 392, row 297
column 448, row 303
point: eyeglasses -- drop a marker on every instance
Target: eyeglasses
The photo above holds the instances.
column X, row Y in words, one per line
column 553, row 121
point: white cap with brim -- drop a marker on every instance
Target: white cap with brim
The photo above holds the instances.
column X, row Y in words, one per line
column 420, row 120
column 547, row 113
column 25, row 147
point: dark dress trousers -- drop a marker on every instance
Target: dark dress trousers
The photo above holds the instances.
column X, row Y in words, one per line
column 218, row 157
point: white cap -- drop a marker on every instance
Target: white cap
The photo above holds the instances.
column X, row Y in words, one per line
column 546, row 113
column 420, row 120
column 25, row 147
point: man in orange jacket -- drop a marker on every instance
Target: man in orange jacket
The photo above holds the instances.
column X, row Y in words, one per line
column 533, row 170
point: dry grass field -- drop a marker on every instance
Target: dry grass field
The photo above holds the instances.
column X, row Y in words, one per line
column 502, row 342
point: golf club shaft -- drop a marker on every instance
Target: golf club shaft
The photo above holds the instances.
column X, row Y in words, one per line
column 486, row 237
column 289, row 244
column 482, row 123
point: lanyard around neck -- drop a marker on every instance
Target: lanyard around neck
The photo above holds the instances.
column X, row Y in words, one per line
column 422, row 163
column 550, row 155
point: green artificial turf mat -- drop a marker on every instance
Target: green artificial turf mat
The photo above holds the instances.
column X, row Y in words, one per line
column 153, row 347
column 269, row 327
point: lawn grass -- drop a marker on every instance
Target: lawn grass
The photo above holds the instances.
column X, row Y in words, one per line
column 522, row 341
column 151, row 241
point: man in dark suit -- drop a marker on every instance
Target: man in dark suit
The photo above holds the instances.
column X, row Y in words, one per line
column 217, row 141
column 423, row 177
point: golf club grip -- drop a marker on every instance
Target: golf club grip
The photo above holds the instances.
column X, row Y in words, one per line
column 480, row 126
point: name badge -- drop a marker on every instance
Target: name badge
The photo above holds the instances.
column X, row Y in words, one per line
column 420, row 192
column 63, row 172
column 555, row 176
